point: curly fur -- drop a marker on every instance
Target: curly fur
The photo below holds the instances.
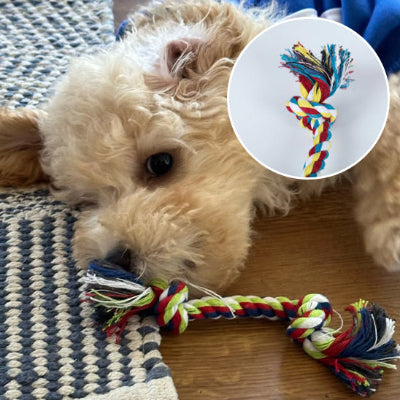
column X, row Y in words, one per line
column 163, row 89
column 20, row 143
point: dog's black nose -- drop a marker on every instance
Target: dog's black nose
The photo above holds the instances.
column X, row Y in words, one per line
column 121, row 257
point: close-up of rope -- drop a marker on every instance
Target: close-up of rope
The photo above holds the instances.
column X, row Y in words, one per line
column 319, row 79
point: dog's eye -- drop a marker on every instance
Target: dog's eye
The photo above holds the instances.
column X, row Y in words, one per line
column 159, row 164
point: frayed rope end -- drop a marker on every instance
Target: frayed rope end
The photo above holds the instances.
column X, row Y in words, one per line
column 359, row 355
column 331, row 72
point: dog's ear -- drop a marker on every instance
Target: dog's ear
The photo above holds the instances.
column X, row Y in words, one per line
column 20, row 145
column 180, row 57
column 178, row 61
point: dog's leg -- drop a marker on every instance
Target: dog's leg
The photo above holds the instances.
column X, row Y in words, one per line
column 20, row 144
column 377, row 190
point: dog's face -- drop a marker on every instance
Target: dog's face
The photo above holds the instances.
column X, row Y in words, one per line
column 142, row 134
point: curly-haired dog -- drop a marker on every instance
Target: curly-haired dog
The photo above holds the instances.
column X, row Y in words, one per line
column 141, row 135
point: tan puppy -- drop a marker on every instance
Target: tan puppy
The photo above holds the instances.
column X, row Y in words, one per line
column 141, row 135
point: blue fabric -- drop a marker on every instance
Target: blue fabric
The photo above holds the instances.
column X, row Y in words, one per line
column 378, row 21
column 121, row 30
column 110, row 271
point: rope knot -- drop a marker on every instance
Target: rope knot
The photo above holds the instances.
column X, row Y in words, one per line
column 169, row 306
column 311, row 110
column 313, row 313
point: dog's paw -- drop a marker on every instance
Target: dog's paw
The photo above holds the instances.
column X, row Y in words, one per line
column 382, row 241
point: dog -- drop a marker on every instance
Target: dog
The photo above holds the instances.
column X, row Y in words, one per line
column 139, row 136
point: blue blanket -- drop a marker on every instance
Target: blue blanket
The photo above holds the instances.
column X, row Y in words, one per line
column 378, row 21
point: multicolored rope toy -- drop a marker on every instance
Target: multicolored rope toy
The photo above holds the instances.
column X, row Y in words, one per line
column 357, row 356
column 319, row 79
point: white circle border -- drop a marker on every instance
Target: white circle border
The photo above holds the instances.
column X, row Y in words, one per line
column 256, row 38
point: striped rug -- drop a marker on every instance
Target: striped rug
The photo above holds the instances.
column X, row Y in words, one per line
column 49, row 346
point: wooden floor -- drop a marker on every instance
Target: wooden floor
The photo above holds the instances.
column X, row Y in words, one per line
column 317, row 249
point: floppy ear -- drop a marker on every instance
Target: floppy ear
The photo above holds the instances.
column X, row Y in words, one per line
column 20, row 144
column 178, row 61
column 180, row 57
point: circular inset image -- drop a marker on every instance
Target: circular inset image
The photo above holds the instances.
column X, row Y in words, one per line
column 308, row 98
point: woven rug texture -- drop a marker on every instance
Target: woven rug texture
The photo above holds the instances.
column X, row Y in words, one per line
column 50, row 348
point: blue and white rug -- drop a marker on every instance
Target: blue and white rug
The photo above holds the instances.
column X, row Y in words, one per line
column 49, row 346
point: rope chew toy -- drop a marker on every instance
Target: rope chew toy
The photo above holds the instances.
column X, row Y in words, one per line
column 357, row 356
column 319, row 79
